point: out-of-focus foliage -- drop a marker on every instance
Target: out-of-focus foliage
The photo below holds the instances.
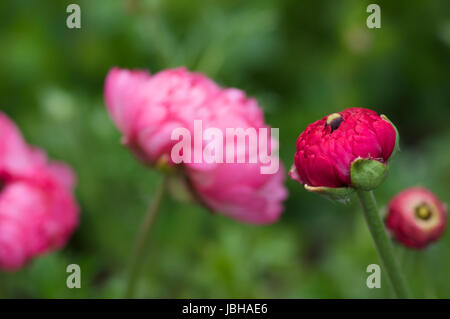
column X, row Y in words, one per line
column 301, row 60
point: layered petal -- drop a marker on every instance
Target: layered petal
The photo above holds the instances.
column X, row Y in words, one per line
column 146, row 108
column 241, row 192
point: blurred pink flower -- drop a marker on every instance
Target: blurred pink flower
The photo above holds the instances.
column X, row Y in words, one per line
column 416, row 217
column 148, row 108
column 37, row 210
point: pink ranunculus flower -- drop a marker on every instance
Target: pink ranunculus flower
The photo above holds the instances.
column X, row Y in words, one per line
column 148, row 108
column 38, row 213
column 328, row 147
column 416, row 217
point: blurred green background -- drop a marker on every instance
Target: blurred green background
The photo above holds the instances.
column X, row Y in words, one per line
column 301, row 60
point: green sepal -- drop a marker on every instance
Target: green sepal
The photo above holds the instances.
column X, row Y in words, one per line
column 340, row 194
column 367, row 174
column 178, row 188
column 397, row 136
column 162, row 165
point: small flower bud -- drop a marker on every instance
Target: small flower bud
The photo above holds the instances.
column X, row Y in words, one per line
column 416, row 217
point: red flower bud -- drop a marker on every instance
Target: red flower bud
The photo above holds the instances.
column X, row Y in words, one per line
column 327, row 149
column 416, row 217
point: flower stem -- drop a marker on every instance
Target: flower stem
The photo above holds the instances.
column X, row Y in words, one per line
column 1, row 286
column 383, row 243
column 142, row 239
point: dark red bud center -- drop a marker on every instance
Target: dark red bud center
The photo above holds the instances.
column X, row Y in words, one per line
column 423, row 211
column 334, row 121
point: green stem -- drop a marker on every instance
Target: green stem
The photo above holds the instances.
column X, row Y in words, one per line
column 1, row 286
column 383, row 243
column 426, row 263
column 142, row 239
